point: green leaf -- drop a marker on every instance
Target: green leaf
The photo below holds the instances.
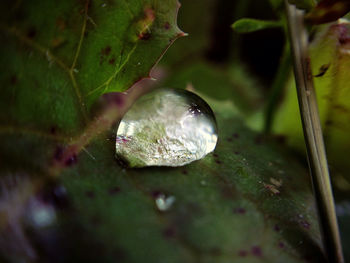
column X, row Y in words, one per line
column 85, row 49
column 248, row 25
column 243, row 200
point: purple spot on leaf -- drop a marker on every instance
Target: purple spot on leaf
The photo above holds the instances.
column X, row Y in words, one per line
column 256, row 251
column 114, row 190
column 277, row 228
column 169, row 232
column 73, row 159
column 239, row 210
column 167, row 25
column 111, row 61
column 305, row 224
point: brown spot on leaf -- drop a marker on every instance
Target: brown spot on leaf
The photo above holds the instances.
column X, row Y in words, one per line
column 184, row 172
column 239, row 210
column 235, row 135
column 323, row 69
column 144, row 35
column 281, row 245
column 106, row 51
column 144, row 25
column 167, row 25
column 341, row 108
column 242, row 253
column 111, row 61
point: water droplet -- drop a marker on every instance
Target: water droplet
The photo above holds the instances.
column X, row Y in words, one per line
column 41, row 214
column 166, row 128
column 164, row 202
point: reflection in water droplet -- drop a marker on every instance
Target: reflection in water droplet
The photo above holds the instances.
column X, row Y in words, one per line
column 166, row 128
column 164, row 203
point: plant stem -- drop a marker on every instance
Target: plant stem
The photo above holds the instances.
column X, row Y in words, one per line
column 277, row 87
column 313, row 135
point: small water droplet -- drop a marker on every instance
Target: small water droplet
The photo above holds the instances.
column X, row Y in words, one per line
column 166, row 128
column 164, row 202
column 41, row 214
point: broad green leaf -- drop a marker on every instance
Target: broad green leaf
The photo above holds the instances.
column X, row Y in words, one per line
column 248, row 25
column 250, row 201
column 241, row 203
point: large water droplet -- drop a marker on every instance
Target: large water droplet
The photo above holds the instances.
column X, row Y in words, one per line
column 166, row 128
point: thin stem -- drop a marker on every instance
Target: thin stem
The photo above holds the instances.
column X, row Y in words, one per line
column 277, row 87
column 313, row 135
